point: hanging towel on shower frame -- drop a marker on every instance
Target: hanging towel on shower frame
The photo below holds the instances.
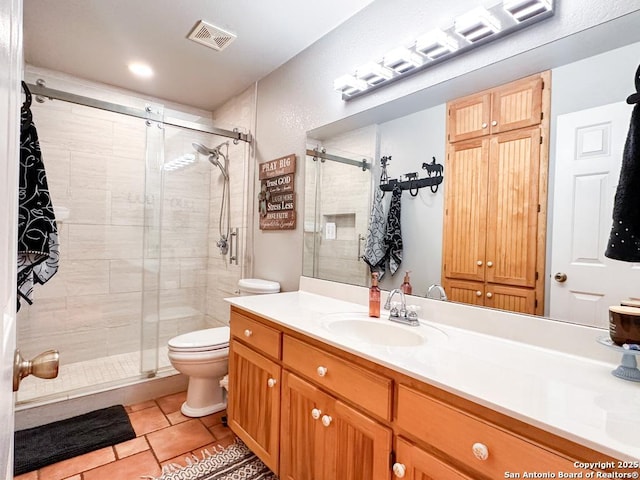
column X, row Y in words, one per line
column 38, row 248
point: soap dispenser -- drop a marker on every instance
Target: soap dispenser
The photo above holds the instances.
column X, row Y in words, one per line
column 406, row 285
column 374, row 296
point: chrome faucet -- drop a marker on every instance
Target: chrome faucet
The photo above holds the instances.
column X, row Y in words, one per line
column 441, row 293
column 400, row 315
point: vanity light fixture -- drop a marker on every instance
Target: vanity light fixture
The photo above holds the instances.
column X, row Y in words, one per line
column 349, row 85
column 402, row 60
column 373, row 73
column 469, row 31
column 476, row 25
column 523, row 10
column 435, row 44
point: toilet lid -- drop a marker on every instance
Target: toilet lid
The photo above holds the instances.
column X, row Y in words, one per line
column 257, row 285
column 200, row 340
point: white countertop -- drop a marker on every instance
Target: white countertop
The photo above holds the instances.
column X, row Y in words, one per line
column 571, row 396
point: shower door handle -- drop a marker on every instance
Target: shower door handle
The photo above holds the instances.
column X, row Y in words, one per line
column 361, row 238
column 44, row 365
column 233, row 246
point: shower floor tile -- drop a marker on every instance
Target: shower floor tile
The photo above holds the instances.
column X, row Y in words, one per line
column 90, row 374
column 146, row 454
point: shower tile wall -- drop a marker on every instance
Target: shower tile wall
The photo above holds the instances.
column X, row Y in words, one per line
column 95, row 169
column 95, row 164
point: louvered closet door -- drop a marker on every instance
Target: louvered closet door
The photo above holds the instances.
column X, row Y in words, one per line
column 465, row 224
column 512, row 208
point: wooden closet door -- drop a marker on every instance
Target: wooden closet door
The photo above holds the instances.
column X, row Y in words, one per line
column 254, row 415
column 517, row 105
column 464, row 291
column 469, row 117
column 512, row 208
column 465, row 207
column 513, row 299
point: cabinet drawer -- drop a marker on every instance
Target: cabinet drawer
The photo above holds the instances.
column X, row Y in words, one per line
column 366, row 389
column 458, row 434
column 259, row 336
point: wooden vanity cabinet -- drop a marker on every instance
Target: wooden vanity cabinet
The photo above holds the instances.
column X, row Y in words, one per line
column 324, row 438
column 414, row 463
column 495, row 197
column 311, row 411
column 253, row 410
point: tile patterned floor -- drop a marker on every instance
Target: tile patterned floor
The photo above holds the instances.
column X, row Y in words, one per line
column 164, row 436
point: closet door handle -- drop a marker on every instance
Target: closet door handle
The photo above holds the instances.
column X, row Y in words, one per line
column 494, row 123
column 489, row 295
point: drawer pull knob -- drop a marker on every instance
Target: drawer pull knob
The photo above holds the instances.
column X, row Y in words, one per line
column 489, row 264
column 484, row 125
column 326, row 420
column 480, row 451
column 478, row 293
column 399, row 470
column 248, row 333
column 315, row 413
column 494, row 123
column 489, row 295
column 272, row 382
column 321, row 371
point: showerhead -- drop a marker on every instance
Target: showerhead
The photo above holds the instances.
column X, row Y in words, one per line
column 214, row 155
column 200, row 148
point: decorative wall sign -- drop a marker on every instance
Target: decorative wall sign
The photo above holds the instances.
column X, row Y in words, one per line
column 277, row 197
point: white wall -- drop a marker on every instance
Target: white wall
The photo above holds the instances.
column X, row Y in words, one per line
column 299, row 97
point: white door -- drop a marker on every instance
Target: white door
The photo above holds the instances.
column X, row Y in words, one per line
column 10, row 99
column 589, row 150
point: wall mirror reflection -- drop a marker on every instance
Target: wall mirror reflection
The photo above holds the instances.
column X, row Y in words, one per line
column 577, row 171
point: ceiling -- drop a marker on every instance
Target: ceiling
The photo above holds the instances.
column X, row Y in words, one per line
column 97, row 39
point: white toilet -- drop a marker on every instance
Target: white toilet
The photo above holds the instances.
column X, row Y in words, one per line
column 203, row 356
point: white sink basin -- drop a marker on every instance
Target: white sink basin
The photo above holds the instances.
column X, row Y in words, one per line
column 362, row 328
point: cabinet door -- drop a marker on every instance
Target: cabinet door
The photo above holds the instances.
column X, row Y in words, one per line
column 469, row 117
column 465, row 209
column 512, row 208
column 362, row 446
column 512, row 299
column 254, row 402
column 419, row 465
column 303, row 437
column 517, row 105
column 465, row 292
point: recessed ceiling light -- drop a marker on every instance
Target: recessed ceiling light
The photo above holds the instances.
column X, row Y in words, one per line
column 141, row 70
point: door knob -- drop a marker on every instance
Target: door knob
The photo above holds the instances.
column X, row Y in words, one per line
column 560, row 277
column 44, row 365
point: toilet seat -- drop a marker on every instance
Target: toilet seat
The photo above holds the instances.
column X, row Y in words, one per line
column 209, row 339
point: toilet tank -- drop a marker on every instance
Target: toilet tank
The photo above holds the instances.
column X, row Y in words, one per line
column 257, row 286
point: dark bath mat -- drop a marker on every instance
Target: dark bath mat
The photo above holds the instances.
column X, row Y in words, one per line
column 40, row 446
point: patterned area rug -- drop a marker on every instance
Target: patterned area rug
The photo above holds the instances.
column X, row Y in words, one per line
column 235, row 462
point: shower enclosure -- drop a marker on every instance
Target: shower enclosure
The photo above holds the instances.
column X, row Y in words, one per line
column 137, row 210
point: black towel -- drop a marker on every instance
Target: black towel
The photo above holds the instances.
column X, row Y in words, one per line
column 37, row 232
column 393, row 235
column 624, row 241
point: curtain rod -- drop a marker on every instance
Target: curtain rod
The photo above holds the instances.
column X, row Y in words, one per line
column 335, row 158
column 147, row 113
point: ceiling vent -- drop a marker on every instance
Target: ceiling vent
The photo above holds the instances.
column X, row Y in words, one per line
column 211, row 36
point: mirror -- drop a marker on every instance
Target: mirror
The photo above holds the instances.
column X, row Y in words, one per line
column 592, row 77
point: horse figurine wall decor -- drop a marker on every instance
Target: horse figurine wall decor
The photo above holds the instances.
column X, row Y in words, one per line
column 433, row 167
